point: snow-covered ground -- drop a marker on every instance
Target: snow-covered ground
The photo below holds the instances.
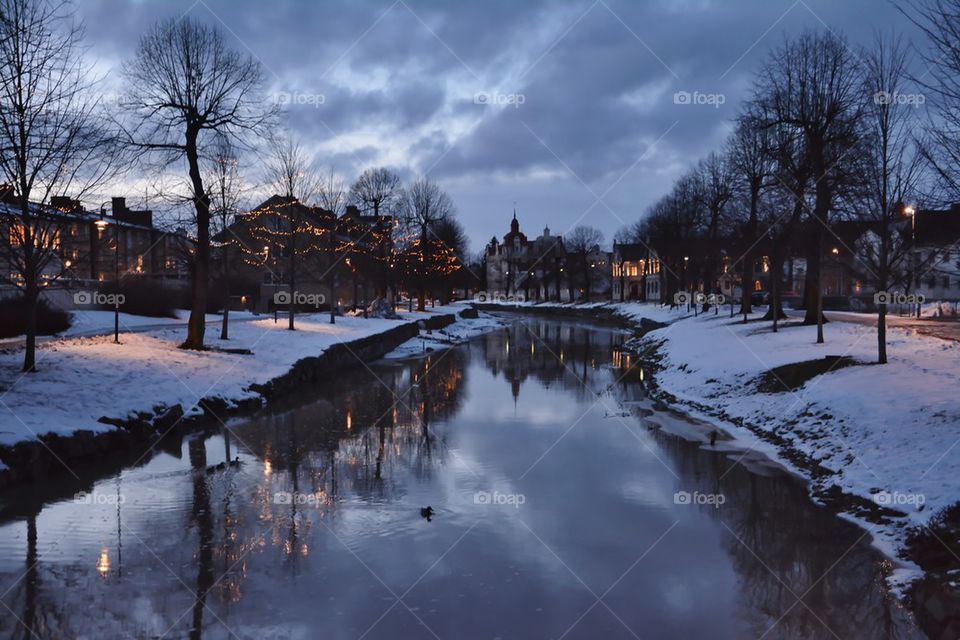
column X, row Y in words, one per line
column 93, row 322
column 888, row 433
column 630, row 310
column 80, row 379
column 450, row 336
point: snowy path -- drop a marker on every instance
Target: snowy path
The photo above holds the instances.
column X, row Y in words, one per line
column 944, row 329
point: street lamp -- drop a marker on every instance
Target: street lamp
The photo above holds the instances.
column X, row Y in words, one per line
column 101, row 225
column 912, row 212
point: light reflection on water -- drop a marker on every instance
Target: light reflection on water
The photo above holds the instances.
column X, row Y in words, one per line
column 554, row 514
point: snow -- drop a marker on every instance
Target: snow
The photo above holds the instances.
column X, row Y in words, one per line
column 888, row 433
column 450, row 336
column 94, row 322
column 80, row 379
column 629, row 310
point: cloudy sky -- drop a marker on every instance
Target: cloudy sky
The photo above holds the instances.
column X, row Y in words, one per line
column 566, row 108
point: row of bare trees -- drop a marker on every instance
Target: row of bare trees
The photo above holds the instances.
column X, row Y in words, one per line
column 829, row 133
column 405, row 236
column 191, row 107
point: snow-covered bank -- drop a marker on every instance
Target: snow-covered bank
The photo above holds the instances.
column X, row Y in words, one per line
column 629, row 311
column 81, row 379
column 457, row 333
column 888, row 434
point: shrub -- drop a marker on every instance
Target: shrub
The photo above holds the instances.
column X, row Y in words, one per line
column 13, row 318
column 144, row 297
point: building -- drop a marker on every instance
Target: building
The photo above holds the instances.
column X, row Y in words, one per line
column 531, row 269
column 931, row 266
column 355, row 255
column 635, row 273
column 92, row 248
column 935, row 259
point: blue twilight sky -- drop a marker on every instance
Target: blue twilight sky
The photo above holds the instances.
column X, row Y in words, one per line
column 566, row 108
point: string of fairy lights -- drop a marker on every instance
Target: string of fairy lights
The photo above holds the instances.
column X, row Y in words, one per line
column 291, row 233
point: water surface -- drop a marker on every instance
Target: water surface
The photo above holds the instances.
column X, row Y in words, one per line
column 560, row 512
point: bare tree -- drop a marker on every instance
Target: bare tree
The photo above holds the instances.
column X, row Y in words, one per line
column 425, row 207
column 811, row 84
column 715, row 190
column 672, row 228
column 891, row 163
column 331, row 191
column 782, row 208
column 939, row 20
column 298, row 235
column 750, row 157
column 580, row 243
column 184, row 85
column 290, row 173
column 449, row 232
column 226, row 189
column 379, row 192
column 52, row 142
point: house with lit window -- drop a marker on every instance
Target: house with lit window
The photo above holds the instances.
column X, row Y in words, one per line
column 87, row 248
column 634, row 273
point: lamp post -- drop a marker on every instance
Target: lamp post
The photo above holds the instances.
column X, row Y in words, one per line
column 101, row 225
column 912, row 212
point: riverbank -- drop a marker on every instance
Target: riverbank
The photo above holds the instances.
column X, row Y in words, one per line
column 641, row 315
column 91, row 397
column 878, row 443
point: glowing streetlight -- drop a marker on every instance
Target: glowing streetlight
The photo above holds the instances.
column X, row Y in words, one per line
column 911, row 211
column 102, row 224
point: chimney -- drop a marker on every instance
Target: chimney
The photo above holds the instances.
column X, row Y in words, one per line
column 65, row 203
column 6, row 194
column 124, row 214
column 352, row 210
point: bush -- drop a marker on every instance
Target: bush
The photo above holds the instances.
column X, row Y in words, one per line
column 13, row 318
column 143, row 297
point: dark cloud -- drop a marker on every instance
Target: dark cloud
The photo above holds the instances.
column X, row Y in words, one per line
column 595, row 80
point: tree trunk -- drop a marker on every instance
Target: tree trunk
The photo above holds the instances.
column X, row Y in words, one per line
column 224, row 326
column 32, row 297
column 811, row 282
column 196, row 325
column 333, row 297
column 775, row 291
column 586, row 279
column 882, row 334
column 292, row 309
column 746, row 277
column 775, row 310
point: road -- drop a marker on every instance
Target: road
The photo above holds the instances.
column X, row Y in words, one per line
column 945, row 329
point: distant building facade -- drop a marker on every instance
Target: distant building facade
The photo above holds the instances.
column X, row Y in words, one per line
column 532, row 269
